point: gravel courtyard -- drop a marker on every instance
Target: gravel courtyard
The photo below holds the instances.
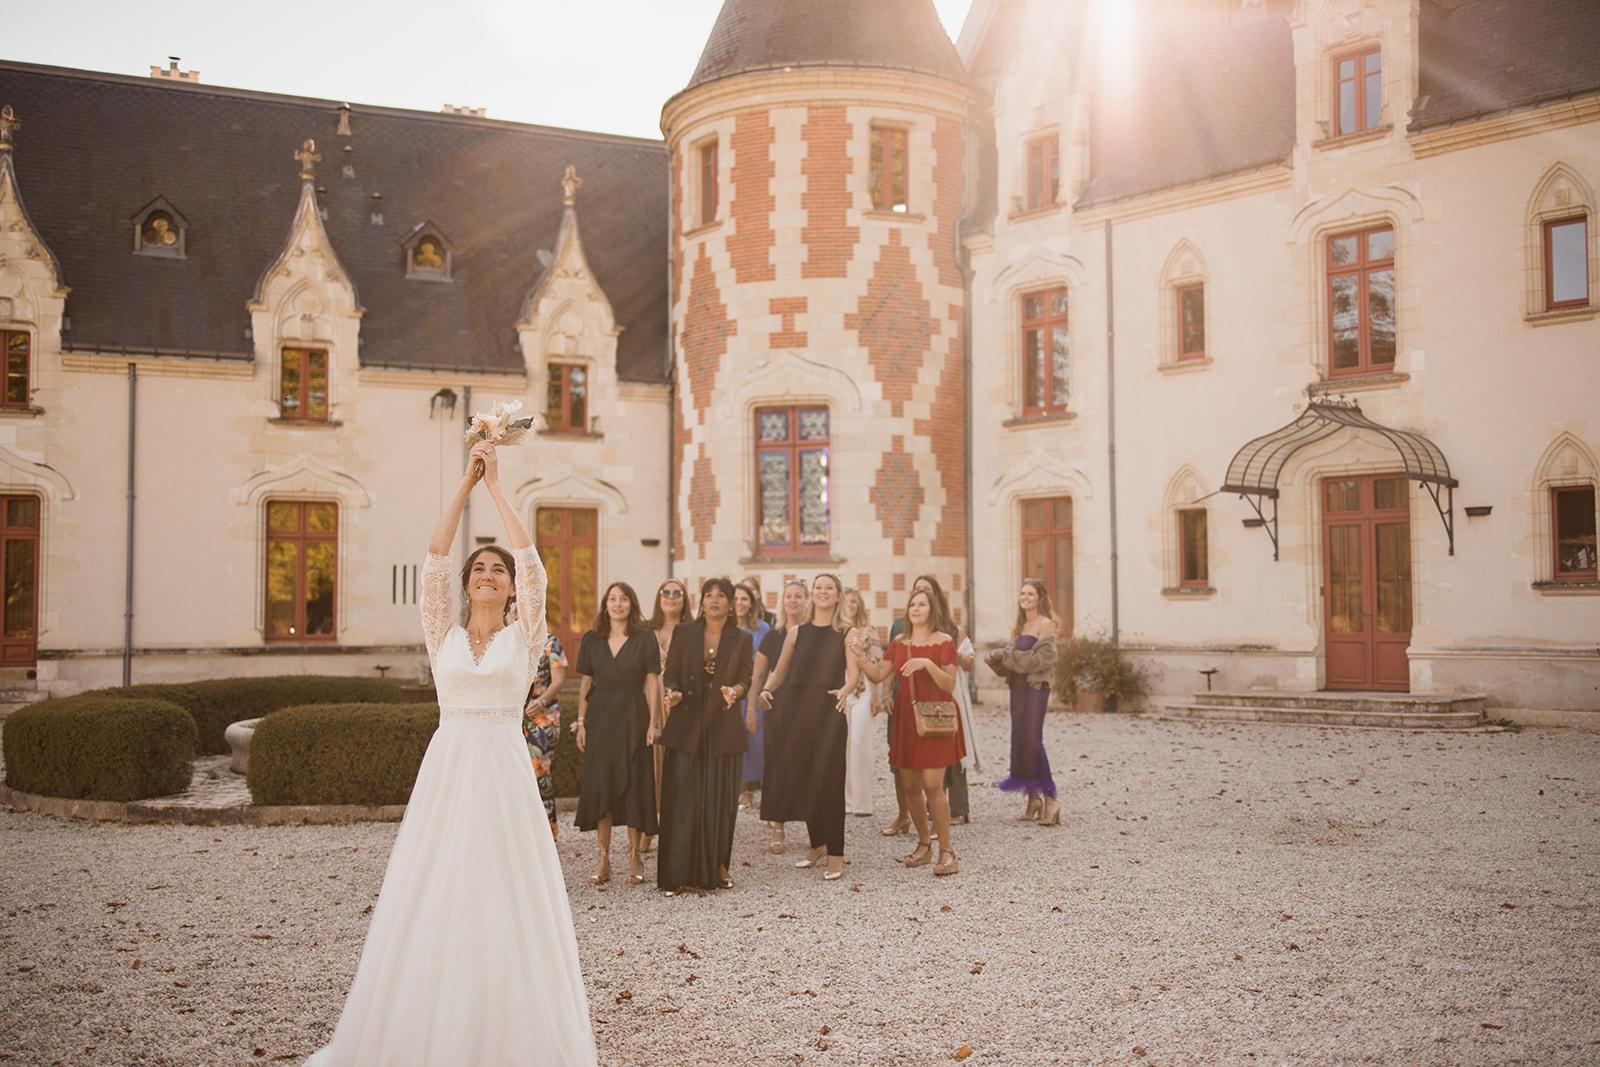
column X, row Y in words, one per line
column 1215, row 894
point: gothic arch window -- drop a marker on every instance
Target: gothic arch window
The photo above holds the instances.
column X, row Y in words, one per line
column 1561, row 247
column 429, row 256
column 1564, row 517
column 1186, row 535
column 160, row 231
column 1183, row 309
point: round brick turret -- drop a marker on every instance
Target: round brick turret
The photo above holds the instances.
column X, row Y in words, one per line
column 817, row 189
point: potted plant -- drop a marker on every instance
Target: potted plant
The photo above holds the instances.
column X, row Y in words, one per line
column 1093, row 674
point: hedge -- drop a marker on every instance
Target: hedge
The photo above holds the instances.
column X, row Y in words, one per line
column 91, row 747
column 362, row 754
column 220, row 701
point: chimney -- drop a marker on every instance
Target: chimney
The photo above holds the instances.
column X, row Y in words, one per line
column 171, row 73
column 463, row 109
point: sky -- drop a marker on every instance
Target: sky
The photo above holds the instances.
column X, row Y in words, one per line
column 603, row 65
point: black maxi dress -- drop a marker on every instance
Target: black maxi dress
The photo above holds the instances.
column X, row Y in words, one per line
column 704, row 741
column 813, row 739
column 619, row 775
column 777, row 771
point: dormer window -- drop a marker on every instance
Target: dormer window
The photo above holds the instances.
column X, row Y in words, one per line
column 1044, row 172
column 428, row 254
column 1357, row 92
column 158, row 230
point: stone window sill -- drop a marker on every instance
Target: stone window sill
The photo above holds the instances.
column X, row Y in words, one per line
column 575, row 435
column 1050, row 418
column 309, row 424
column 1359, row 382
column 704, row 227
column 1582, row 587
column 1183, row 366
column 1559, row 315
column 1029, row 214
column 793, row 559
column 893, row 216
column 1188, row 592
column 29, row 412
column 1361, row 137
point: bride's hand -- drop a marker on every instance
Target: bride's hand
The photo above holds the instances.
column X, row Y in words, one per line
column 484, row 453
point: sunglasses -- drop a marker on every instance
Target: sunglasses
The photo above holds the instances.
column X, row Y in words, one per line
column 672, row 594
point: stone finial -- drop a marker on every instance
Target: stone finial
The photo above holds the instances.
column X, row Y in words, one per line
column 9, row 125
column 570, row 184
column 309, row 157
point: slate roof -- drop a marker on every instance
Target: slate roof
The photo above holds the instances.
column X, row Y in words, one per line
column 94, row 149
column 752, row 35
column 1480, row 57
column 1207, row 99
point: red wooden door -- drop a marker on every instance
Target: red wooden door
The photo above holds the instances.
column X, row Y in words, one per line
column 569, row 547
column 1047, row 552
column 19, row 579
column 1366, row 588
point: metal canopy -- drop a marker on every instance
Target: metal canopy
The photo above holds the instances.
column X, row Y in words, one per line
column 1254, row 472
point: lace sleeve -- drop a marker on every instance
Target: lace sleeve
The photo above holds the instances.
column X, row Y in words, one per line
column 436, row 574
column 531, row 582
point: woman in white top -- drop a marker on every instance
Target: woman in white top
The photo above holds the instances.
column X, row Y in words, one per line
column 471, row 957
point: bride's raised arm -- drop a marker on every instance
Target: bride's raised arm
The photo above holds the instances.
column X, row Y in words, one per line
column 436, row 566
column 531, row 578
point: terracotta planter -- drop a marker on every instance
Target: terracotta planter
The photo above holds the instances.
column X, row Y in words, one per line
column 1089, row 699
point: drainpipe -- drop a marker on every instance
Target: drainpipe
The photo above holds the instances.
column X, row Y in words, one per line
column 964, row 261
column 672, row 395
column 466, row 450
column 127, row 591
column 1111, row 431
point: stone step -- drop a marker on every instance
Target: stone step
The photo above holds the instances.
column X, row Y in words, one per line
column 1406, row 719
column 1410, row 703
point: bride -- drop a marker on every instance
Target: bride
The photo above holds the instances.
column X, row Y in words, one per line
column 471, row 958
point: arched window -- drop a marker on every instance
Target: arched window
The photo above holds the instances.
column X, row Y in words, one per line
column 1565, row 517
column 1183, row 309
column 1186, row 536
column 158, row 230
column 1561, row 247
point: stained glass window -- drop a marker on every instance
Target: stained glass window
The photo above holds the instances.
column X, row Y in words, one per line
column 792, row 470
column 302, row 570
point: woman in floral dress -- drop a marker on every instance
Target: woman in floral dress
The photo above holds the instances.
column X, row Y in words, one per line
column 541, row 720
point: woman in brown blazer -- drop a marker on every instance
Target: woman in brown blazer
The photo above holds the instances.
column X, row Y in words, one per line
column 707, row 674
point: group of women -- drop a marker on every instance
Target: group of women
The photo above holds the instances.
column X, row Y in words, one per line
column 686, row 717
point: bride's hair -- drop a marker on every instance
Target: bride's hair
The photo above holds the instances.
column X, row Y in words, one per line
column 466, row 573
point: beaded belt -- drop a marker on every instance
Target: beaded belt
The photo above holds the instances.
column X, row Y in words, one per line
column 486, row 715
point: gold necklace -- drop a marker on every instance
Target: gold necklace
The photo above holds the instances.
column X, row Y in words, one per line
column 479, row 646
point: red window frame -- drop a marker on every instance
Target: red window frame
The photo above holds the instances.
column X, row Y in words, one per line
column 1045, row 324
column 888, row 146
column 301, row 538
column 1550, row 302
column 1362, row 269
column 792, row 446
column 1588, row 574
column 1051, row 534
column 1186, row 580
column 1184, row 351
column 302, row 361
column 1044, row 172
column 1359, row 79
column 18, row 349
column 708, row 183
column 559, row 415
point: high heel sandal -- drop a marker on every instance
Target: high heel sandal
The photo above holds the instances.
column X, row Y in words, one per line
column 648, row 844
column 776, row 845
column 603, row 875
column 834, row 876
column 1035, row 805
column 1051, row 815
column 921, row 856
column 635, row 868
column 896, row 828
column 952, row 865
column 814, row 858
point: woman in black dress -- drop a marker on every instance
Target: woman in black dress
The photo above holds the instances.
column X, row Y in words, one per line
column 817, row 674
column 708, row 672
column 776, row 756
column 671, row 609
column 619, row 716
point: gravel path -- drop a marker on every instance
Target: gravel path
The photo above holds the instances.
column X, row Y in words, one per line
column 1216, row 894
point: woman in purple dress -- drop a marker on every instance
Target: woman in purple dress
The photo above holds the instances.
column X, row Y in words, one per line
column 1026, row 663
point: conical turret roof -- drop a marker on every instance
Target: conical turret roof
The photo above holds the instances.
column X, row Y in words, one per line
column 754, row 35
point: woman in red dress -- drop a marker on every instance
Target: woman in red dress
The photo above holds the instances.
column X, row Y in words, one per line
column 925, row 660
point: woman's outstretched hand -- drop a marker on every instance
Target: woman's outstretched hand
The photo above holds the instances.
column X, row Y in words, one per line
column 484, row 463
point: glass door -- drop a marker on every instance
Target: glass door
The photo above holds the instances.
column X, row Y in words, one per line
column 569, row 546
column 1366, row 589
column 19, row 578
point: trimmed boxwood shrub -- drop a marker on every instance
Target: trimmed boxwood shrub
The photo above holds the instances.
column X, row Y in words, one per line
column 91, row 747
column 217, row 702
column 340, row 753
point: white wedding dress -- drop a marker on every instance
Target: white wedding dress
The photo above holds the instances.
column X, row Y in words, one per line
column 471, row 957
